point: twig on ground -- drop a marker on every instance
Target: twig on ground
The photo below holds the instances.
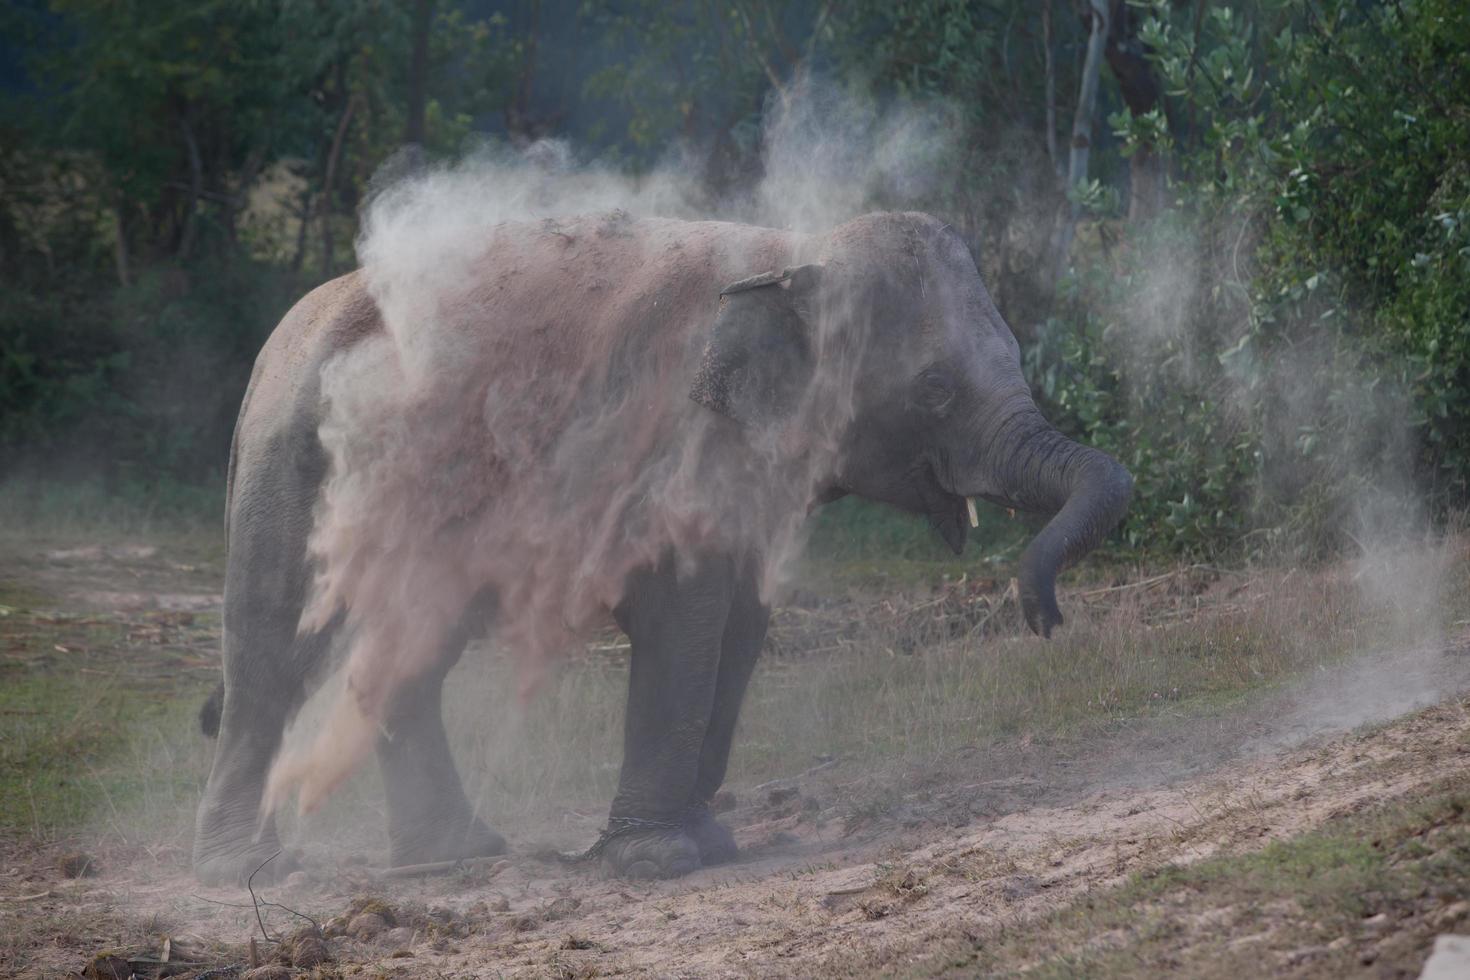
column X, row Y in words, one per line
column 271, row 905
column 432, row 867
column 1142, row 583
column 255, row 902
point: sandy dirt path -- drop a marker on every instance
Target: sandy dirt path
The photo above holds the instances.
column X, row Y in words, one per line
column 845, row 870
column 813, row 896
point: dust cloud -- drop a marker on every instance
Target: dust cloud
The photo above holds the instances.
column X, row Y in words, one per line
column 520, row 434
column 419, row 515
column 1339, row 444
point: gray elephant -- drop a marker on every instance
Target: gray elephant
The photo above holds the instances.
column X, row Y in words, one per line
column 588, row 416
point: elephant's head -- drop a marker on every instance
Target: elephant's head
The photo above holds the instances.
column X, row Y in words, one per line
column 890, row 344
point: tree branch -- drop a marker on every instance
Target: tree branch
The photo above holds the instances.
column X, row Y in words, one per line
column 329, row 178
column 196, row 189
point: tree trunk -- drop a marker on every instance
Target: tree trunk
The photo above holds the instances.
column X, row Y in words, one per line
column 120, row 242
column 328, row 180
column 423, row 19
column 519, row 121
column 302, row 231
column 1082, row 120
column 1147, row 184
column 1140, row 90
column 1051, row 88
column 239, row 199
column 1081, row 145
column 196, row 190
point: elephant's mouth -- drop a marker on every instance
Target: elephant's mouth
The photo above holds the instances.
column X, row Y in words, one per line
column 951, row 514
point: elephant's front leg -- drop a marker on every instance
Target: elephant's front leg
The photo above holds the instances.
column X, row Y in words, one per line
column 676, row 623
column 745, row 631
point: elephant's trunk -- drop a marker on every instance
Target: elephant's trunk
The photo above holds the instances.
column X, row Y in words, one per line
column 1087, row 491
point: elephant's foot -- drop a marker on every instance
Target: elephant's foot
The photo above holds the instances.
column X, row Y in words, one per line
column 716, row 843
column 259, row 862
column 649, row 854
column 453, row 841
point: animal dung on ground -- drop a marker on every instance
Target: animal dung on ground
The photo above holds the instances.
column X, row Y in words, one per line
column 375, row 906
column 782, row 795
column 107, row 966
column 78, row 864
column 561, row 908
column 307, row 949
column 366, row 925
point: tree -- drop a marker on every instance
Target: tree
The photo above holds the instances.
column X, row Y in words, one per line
column 1097, row 16
column 1127, row 57
column 418, row 70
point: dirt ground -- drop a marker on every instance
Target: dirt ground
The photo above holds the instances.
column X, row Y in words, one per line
column 924, row 872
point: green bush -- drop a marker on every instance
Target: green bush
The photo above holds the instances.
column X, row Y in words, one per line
column 1285, row 356
column 139, row 382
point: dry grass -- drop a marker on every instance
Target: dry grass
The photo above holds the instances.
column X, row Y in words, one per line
column 884, row 684
column 905, row 681
column 882, row 678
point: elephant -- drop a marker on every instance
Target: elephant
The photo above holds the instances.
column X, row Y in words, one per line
column 572, row 418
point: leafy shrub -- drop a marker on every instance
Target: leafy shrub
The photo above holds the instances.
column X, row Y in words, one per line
column 1286, row 355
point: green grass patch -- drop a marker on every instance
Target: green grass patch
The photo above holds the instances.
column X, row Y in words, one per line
column 97, row 724
column 81, row 752
column 857, row 530
column 17, row 596
column 88, row 510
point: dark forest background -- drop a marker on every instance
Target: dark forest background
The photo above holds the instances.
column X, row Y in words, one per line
column 1233, row 238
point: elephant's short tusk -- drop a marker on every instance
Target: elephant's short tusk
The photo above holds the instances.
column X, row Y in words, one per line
column 974, row 515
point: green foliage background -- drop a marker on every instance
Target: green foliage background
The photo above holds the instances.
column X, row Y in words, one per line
column 1279, row 349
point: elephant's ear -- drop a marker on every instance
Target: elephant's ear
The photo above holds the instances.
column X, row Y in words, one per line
column 759, row 357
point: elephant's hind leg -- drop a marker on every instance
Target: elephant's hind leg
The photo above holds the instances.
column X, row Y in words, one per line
column 429, row 818
column 267, row 665
column 231, row 837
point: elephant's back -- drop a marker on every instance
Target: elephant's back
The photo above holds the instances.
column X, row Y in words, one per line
column 512, row 342
column 565, row 298
column 562, row 294
column 327, row 321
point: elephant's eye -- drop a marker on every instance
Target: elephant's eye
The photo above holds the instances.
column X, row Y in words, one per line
column 934, row 390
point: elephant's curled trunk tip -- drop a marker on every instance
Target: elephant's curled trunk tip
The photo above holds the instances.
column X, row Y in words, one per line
column 1097, row 498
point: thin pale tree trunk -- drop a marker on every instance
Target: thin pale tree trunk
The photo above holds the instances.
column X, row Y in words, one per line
column 418, row 69
column 1051, row 87
column 1141, row 93
column 1082, row 120
column 196, row 190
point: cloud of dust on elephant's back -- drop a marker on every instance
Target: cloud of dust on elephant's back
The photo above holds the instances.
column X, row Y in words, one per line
column 523, row 427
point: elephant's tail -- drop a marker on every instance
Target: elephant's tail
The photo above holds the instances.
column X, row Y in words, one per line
column 210, row 711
